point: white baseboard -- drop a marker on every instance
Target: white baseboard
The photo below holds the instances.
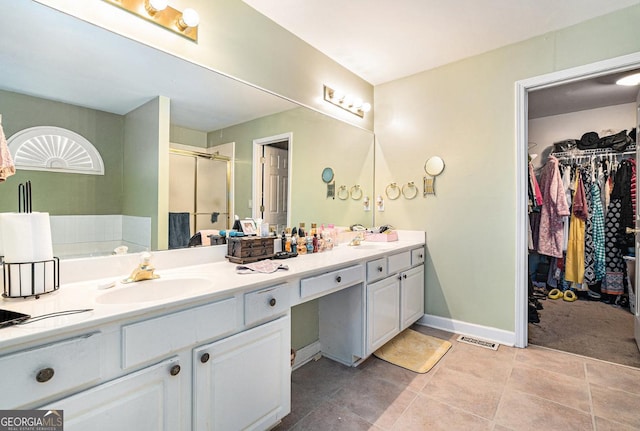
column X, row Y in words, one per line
column 306, row 354
column 501, row 336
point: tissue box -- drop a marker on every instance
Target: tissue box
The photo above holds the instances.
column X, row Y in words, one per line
column 247, row 249
column 381, row 237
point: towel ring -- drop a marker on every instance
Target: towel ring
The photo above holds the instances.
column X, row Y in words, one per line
column 407, row 190
column 343, row 193
column 392, row 191
column 355, row 193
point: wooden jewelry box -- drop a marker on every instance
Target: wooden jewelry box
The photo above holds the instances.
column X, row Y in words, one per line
column 247, row 249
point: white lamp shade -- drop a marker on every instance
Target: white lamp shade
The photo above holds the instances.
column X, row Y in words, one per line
column 158, row 5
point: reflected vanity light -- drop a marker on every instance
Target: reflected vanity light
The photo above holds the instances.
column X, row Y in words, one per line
column 629, row 80
column 159, row 12
column 347, row 102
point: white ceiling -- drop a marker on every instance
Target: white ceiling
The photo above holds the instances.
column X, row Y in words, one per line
column 382, row 41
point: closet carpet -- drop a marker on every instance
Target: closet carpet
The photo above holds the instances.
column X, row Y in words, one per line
column 587, row 328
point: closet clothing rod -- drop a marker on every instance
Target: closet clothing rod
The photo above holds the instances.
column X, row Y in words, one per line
column 595, row 152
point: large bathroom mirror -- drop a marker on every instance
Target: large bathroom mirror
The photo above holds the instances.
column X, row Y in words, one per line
column 123, row 96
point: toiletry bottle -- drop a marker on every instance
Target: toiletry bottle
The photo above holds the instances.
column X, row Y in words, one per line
column 294, row 243
column 313, row 230
column 314, row 242
column 283, row 240
column 302, row 245
column 309, row 244
column 301, row 231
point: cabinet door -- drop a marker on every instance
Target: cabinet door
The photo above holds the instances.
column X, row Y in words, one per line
column 244, row 381
column 145, row 400
column 411, row 296
column 383, row 312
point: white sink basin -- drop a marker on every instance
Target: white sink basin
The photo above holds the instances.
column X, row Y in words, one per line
column 154, row 290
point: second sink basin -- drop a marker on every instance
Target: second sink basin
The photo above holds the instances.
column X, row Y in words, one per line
column 154, row 290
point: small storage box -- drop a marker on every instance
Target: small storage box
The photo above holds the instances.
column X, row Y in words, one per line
column 247, row 249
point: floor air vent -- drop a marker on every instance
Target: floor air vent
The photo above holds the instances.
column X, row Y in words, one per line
column 478, row 342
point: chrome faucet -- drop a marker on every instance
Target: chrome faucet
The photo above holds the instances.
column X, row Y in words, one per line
column 144, row 271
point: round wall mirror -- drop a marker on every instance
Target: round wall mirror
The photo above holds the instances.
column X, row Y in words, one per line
column 327, row 175
column 434, row 166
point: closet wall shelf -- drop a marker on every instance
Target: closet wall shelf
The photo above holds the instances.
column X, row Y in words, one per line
column 595, row 152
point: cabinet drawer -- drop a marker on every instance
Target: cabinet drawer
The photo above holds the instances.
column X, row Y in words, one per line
column 33, row 375
column 265, row 304
column 376, row 269
column 161, row 336
column 417, row 256
column 399, row 262
column 331, row 281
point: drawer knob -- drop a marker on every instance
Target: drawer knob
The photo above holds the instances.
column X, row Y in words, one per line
column 338, row 279
column 175, row 370
column 420, row 256
column 204, row 358
column 379, row 269
column 272, row 302
column 44, row 375
column 404, row 276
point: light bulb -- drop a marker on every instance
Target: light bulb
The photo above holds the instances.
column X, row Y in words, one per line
column 629, row 80
column 337, row 95
column 189, row 18
column 154, row 6
column 357, row 103
column 366, row 107
column 348, row 100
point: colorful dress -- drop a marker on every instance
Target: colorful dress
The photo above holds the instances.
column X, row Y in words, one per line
column 554, row 208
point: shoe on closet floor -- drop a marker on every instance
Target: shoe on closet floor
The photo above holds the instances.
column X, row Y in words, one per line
column 569, row 296
column 555, row 294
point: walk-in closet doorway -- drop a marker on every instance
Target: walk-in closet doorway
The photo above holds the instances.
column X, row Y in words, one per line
column 523, row 89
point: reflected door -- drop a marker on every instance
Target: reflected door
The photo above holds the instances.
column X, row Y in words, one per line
column 200, row 185
column 636, row 284
column 275, row 186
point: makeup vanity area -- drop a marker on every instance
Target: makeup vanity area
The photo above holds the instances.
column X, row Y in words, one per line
column 207, row 347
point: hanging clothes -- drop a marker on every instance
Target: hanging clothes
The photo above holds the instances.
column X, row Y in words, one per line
column 589, row 245
column 597, row 220
column 554, row 207
column 574, row 264
column 619, row 216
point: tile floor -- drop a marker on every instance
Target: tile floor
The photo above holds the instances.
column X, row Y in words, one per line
column 471, row 388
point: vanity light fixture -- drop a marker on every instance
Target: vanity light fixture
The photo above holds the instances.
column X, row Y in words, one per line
column 159, row 12
column 347, row 102
column 629, row 80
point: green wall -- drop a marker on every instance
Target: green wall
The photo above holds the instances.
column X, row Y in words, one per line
column 64, row 193
column 318, row 142
column 146, row 167
column 465, row 112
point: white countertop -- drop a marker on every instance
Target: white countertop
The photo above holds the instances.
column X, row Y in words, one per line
column 224, row 282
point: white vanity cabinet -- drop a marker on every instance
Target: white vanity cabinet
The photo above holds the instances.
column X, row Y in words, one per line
column 149, row 399
column 395, row 295
column 244, row 381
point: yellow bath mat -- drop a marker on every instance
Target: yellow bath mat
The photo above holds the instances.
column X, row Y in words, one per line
column 413, row 350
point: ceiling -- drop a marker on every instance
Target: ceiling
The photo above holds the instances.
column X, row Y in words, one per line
column 381, row 41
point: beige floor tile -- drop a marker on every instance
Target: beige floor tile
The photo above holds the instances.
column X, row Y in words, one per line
column 438, row 333
column 616, row 405
column 569, row 391
column 378, row 401
column 426, row 413
column 395, row 374
column 524, row 412
column 479, row 362
column 323, row 377
column 465, row 391
column 552, row 360
column 607, row 425
column 331, row 417
column 614, row 376
column 498, row 427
